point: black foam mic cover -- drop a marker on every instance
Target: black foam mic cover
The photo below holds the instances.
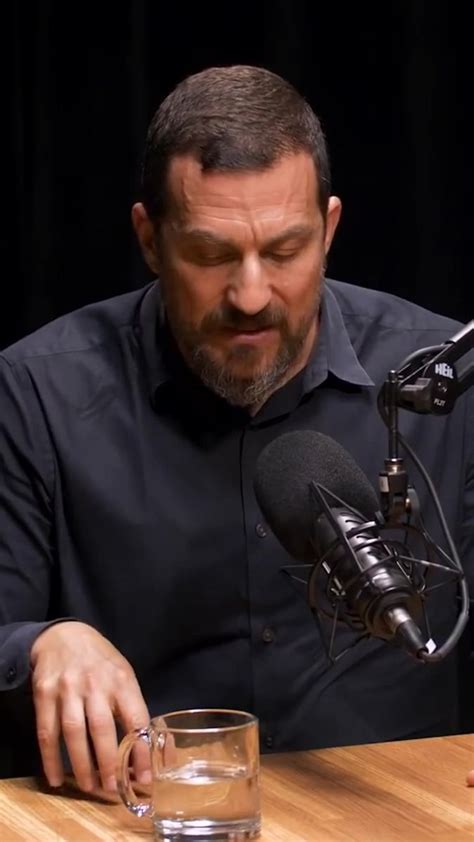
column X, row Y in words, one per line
column 285, row 469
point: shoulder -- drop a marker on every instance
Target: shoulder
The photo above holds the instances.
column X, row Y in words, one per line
column 85, row 329
column 385, row 329
column 389, row 312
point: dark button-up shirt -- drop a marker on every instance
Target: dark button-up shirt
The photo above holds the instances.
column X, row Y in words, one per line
column 127, row 502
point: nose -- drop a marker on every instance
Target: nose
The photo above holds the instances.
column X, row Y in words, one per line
column 249, row 290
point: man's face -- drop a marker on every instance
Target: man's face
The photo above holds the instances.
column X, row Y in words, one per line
column 241, row 257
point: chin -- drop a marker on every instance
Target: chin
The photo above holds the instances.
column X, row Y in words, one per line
column 246, row 372
column 243, row 363
column 247, row 359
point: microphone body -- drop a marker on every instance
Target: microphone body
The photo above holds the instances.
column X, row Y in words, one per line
column 353, row 565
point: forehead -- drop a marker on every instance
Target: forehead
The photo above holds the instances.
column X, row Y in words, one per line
column 287, row 189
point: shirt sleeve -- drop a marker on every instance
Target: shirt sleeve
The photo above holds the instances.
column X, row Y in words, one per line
column 26, row 522
column 466, row 544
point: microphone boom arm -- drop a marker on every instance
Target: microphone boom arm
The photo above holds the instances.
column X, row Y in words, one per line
column 427, row 382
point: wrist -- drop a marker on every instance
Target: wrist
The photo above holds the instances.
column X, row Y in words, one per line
column 40, row 640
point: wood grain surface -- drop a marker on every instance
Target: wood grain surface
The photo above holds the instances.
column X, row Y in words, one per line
column 413, row 791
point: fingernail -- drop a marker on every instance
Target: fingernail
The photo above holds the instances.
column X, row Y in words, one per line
column 111, row 784
column 54, row 781
column 144, row 777
column 87, row 785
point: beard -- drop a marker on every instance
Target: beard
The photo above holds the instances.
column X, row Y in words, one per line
column 220, row 372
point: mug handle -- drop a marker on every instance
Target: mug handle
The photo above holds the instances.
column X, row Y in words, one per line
column 142, row 809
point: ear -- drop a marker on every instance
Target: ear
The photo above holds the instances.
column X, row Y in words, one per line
column 332, row 219
column 146, row 236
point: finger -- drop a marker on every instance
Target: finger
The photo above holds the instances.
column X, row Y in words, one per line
column 104, row 738
column 470, row 778
column 170, row 754
column 141, row 762
column 73, row 725
column 48, row 730
column 133, row 713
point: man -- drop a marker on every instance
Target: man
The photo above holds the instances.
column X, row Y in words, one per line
column 137, row 574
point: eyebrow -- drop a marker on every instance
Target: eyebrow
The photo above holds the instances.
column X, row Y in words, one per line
column 204, row 235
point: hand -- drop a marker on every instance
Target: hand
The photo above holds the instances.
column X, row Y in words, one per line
column 81, row 682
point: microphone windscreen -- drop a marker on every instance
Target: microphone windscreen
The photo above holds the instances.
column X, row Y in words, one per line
column 285, row 469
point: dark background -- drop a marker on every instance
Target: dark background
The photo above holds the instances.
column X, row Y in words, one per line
column 391, row 82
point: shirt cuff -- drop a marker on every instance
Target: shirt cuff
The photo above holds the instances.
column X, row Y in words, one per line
column 18, row 638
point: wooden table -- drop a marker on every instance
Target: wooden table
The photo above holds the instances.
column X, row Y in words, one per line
column 388, row 792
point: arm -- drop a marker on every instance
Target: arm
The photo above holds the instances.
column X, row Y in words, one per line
column 467, row 558
column 80, row 681
column 26, row 495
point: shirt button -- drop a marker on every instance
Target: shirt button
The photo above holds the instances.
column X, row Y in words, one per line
column 261, row 530
column 269, row 741
column 268, row 635
column 10, row 674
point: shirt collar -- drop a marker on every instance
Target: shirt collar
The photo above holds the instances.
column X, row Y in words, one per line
column 150, row 325
column 333, row 352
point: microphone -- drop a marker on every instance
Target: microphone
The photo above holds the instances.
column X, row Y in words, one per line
column 323, row 510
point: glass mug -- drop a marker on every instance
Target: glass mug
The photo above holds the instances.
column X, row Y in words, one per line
column 205, row 775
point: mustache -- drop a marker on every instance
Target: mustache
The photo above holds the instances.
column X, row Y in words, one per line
column 232, row 319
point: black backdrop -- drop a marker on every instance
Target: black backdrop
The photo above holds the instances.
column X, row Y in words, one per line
column 391, row 81
column 392, row 85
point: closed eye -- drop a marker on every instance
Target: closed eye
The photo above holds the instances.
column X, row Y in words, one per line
column 283, row 252
column 281, row 256
column 212, row 259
